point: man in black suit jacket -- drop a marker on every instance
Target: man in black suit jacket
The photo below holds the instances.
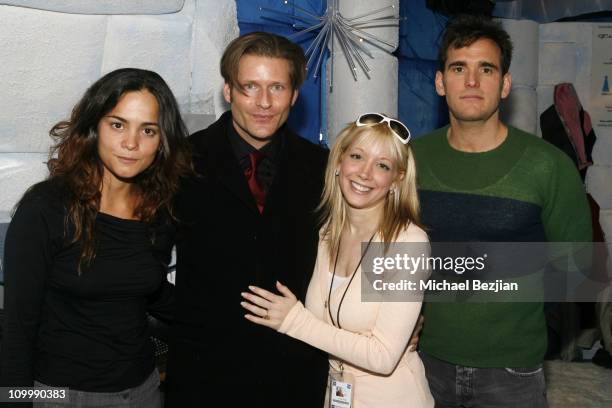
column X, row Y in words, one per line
column 233, row 236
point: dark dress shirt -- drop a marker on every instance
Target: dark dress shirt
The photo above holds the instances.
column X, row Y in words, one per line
column 269, row 163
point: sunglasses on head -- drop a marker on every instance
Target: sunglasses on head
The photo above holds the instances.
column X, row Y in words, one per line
column 398, row 128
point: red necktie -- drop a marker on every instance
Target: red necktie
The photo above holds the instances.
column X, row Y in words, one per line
column 251, row 174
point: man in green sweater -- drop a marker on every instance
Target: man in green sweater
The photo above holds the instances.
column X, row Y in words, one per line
column 480, row 180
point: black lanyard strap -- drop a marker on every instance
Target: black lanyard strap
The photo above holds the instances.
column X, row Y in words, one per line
column 331, row 284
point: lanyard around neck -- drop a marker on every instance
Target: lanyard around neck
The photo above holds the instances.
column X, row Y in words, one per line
column 337, row 323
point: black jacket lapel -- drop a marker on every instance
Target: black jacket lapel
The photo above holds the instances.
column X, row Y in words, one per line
column 220, row 162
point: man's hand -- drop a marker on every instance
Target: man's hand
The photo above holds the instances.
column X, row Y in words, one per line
column 267, row 308
column 416, row 333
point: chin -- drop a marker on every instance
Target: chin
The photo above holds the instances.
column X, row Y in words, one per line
column 471, row 118
column 261, row 136
column 264, row 132
column 127, row 175
column 362, row 205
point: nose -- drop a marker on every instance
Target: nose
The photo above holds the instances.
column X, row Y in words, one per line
column 130, row 141
column 365, row 172
column 471, row 79
column 265, row 99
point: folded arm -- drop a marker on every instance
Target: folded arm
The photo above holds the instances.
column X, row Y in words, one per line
column 379, row 350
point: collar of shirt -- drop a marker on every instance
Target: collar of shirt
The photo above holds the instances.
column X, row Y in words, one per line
column 242, row 148
column 271, row 152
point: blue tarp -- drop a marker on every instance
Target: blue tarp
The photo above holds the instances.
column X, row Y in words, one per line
column 420, row 108
column 305, row 117
column 419, row 105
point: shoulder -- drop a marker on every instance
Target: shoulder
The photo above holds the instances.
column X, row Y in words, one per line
column 412, row 233
column 426, row 147
column 542, row 154
column 48, row 192
column 306, row 160
column 429, row 140
column 44, row 203
column 209, row 145
column 306, row 149
column 202, row 139
column 533, row 142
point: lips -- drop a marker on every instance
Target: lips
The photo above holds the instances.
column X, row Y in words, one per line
column 262, row 118
column 360, row 188
column 127, row 160
column 472, row 97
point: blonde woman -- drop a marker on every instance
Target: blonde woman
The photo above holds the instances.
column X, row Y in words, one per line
column 370, row 196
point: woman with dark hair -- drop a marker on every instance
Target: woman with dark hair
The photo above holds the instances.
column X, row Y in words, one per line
column 87, row 250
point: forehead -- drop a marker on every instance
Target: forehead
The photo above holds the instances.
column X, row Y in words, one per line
column 481, row 50
column 374, row 145
column 257, row 67
column 137, row 103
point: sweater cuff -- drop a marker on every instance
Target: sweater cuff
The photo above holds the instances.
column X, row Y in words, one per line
column 288, row 321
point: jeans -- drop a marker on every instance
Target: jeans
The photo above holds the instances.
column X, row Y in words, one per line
column 469, row 387
column 145, row 395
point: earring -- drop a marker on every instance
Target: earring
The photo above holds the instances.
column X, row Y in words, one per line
column 337, row 172
column 392, row 191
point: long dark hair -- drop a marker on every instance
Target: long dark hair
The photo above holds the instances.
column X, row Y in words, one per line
column 74, row 156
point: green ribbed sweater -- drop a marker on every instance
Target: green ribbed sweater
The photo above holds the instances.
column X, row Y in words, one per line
column 525, row 190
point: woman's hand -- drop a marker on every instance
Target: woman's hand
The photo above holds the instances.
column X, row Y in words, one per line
column 416, row 334
column 267, row 308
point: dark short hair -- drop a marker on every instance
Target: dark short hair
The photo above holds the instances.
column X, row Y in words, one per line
column 265, row 45
column 465, row 29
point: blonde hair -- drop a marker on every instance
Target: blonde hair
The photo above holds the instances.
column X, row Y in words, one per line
column 401, row 207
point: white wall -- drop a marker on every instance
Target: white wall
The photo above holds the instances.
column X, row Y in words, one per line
column 545, row 55
column 49, row 58
column 565, row 56
column 520, row 108
column 101, row 6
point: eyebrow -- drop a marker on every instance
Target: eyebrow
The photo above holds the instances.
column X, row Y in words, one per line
column 457, row 64
column 258, row 82
column 488, row 65
column 119, row 118
column 379, row 158
column 480, row 64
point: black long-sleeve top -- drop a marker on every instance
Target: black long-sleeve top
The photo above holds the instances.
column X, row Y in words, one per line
column 84, row 331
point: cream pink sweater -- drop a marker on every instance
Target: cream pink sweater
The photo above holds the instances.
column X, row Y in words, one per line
column 372, row 344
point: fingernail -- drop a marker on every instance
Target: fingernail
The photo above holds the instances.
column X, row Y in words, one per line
column 251, row 287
